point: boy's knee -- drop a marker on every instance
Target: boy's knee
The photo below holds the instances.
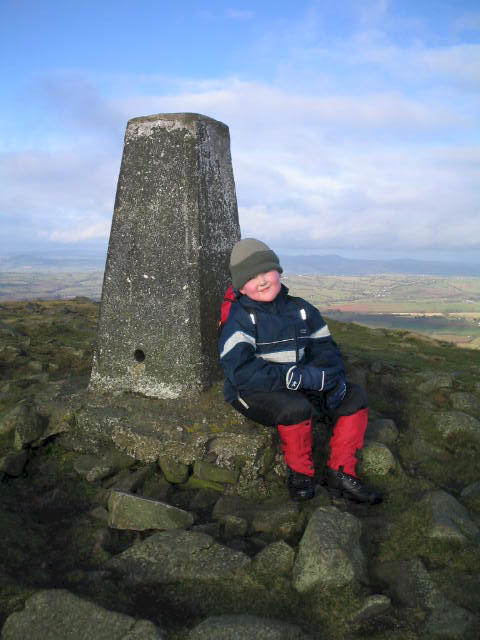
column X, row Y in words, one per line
column 355, row 399
column 295, row 412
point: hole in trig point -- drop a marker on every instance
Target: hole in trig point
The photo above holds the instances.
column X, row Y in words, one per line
column 139, row 355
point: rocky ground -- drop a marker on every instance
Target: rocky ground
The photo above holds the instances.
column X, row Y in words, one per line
column 132, row 542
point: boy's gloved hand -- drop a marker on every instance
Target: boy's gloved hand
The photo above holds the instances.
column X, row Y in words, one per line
column 309, row 377
column 335, row 397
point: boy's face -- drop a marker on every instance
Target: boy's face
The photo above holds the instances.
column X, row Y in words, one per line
column 264, row 287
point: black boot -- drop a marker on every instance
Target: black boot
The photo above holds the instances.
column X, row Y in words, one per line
column 342, row 484
column 301, row 487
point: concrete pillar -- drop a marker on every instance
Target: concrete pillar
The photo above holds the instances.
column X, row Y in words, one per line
column 174, row 225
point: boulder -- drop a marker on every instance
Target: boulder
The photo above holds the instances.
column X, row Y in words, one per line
column 472, row 491
column 276, row 559
column 174, row 556
column 128, row 480
column 14, row 462
column 382, row 430
column 276, row 517
column 245, row 627
column 18, row 415
column 464, row 401
column 204, row 499
column 372, row 606
column 414, row 587
column 92, row 468
column 57, row 614
column 377, row 459
column 232, row 527
column 471, row 496
column 128, row 511
column 329, row 553
column 452, row 623
column 451, row 423
column 214, row 473
column 434, row 380
column 449, row 520
column 173, row 470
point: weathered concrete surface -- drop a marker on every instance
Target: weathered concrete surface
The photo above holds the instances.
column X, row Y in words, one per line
column 173, row 229
column 186, row 431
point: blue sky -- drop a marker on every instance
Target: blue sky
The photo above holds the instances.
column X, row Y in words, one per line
column 354, row 125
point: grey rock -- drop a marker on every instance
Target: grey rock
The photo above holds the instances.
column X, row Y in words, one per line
column 14, row 462
column 99, row 513
column 382, row 430
column 412, row 584
column 214, row 473
column 232, row 527
column 35, row 366
column 203, row 499
column 210, row 528
column 472, row 491
column 448, row 519
column 245, row 627
column 156, row 487
column 275, row 559
column 128, row 511
column 173, row 470
column 451, row 423
column 452, row 623
column 57, row 614
column 278, row 518
column 372, row 606
column 173, row 556
column 176, row 200
column 92, row 468
column 234, row 505
column 255, row 451
column 29, row 426
column 129, row 481
column 414, row 587
column 377, row 459
column 329, row 553
column 19, row 414
column 464, row 401
column 434, row 380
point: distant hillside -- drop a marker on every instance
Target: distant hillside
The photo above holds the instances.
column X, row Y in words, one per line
column 54, row 263
column 296, row 264
column 336, row 265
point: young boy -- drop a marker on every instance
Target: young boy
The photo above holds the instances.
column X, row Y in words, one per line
column 280, row 361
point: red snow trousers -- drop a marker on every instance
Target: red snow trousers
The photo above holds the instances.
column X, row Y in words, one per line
column 291, row 412
column 297, row 446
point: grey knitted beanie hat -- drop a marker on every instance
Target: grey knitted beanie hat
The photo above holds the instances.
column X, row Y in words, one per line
column 249, row 258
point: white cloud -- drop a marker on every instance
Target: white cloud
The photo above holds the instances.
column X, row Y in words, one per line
column 358, row 143
column 97, row 230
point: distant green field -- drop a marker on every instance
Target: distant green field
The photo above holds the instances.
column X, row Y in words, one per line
column 443, row 308
column 377, row 301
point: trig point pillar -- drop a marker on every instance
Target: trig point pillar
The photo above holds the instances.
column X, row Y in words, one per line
column 174, row 225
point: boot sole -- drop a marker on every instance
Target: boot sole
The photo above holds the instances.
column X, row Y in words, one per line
column 340, row 493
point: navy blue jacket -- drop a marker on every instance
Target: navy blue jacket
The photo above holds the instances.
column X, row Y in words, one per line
column 261, row 341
